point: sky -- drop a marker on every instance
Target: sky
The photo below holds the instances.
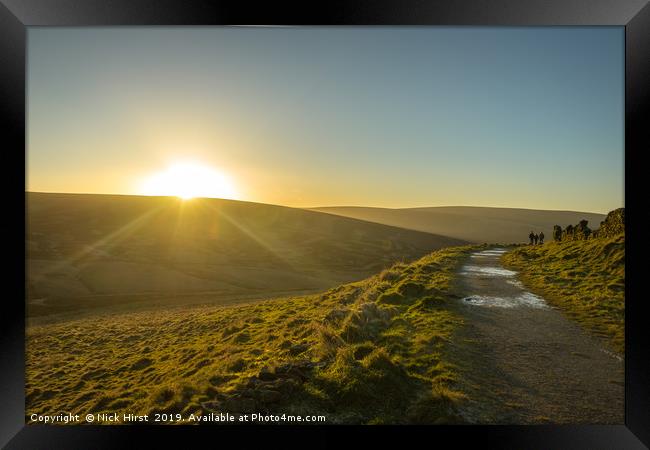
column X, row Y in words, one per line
column 330, row 116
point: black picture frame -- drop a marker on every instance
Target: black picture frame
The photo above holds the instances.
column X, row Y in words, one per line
column 16, row 15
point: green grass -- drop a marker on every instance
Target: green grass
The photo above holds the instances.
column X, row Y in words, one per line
column 586, row 279
column 373, row 351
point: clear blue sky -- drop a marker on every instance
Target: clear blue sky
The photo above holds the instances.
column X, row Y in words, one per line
column 316, row 116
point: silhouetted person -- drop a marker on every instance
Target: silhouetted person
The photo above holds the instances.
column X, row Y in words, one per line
column 541, row 237
column 531, row 236
column 535, row 238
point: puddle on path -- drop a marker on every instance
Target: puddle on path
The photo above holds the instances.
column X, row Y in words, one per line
column 488, row 273
column 487, row 270
column 526, row 299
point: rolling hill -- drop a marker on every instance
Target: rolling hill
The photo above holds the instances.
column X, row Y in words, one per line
column 472, row 224
column 88, row 250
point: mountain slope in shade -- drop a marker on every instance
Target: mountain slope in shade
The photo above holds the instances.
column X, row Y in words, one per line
column 473, row 224
column 83, row 246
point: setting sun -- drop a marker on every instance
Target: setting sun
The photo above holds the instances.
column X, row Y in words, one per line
column 189, row 180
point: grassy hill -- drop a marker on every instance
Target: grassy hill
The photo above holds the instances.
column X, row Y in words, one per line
column 92, row 250
column 472, row 224
column 585, row 278
column 337, row 353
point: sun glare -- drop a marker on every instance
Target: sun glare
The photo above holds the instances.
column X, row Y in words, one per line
column 189, row 180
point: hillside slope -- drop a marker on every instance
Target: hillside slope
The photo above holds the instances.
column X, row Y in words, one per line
column 368, row 352
column 584, row 278
column 472, row 224
column 93, row 246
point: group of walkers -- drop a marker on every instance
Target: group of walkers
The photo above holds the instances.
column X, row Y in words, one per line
column 535, row 238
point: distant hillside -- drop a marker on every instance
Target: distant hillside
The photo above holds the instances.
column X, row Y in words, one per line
column 82, row 246
column 473, row 224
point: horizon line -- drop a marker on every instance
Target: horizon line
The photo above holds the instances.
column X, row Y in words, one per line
column 324, row 207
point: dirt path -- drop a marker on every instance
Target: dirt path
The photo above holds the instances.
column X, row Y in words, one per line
column 523, row 361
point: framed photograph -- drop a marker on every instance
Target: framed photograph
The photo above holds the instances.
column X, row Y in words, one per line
column 370, row 219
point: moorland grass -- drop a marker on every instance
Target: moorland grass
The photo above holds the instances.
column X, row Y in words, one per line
column 366, row 352
column 586, row 279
